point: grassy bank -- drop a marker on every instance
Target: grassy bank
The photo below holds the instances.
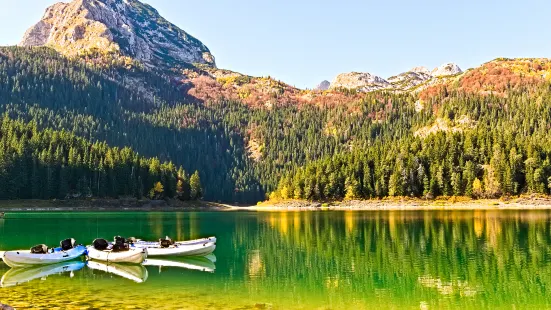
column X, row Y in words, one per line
column 527, row 202
column 108, row 205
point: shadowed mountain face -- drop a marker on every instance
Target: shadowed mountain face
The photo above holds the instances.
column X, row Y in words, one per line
column 126, row 27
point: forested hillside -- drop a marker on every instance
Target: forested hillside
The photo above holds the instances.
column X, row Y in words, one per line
column 483, row 133
column 125, row 105
column 478, row 145
column 48, row 164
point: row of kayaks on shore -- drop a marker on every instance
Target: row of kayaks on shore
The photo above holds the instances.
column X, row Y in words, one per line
column 130, row 251
column 134, row 272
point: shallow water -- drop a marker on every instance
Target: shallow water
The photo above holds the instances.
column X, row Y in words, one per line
column 297, row 260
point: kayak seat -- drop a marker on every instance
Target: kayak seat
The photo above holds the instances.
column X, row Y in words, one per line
column 121, row 245
column 39, row 249
column 100, row 244
column 67, row 244
column 166, row 242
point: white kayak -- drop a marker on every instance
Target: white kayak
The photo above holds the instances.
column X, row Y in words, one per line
column 197, row 249
column 132, row 256
column 136, row 273
column 191, row 263
column 25, row 258
column 143, row 243
column 17, row 276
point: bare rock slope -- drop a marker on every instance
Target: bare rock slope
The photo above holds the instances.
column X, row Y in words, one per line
column 410, row 80
column 324, row 85
column 361, row 81
column 126, row 27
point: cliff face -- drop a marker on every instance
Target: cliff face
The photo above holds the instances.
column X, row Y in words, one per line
column 127, row 27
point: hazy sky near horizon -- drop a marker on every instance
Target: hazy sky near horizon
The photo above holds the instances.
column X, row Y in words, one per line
column 303, row 42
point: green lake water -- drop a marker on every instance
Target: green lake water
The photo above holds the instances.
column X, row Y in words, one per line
column 300, row 260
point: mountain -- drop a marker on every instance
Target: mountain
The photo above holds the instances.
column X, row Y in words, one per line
column 361, row 81
column 324, row 85
column 420, row 69
column 122, row 27
column 410, row 79
column 446, row 69
column 483, row 132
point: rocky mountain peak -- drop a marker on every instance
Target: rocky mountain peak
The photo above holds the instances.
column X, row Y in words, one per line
column 420, row 69
column 410, row 79
column 127, row 27
column 324, row 85
column 361, row 81
column 446, row 69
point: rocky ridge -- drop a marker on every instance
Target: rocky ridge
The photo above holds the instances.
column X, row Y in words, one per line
column 126, row 27
column 362, row 81
column 91, row 29
column 446, row 69
column 366, row 82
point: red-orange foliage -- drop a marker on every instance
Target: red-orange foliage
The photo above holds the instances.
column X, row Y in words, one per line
column 264, row 93
column 497, row 77
column 432, row 91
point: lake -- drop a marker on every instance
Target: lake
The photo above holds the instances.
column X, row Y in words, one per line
column 297, row 260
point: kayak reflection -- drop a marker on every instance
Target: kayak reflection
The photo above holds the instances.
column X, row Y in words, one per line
column 199, row 263
column 17, row 276
column 136, row 273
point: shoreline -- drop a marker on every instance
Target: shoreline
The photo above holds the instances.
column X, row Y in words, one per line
column 395, row 204
column 108, row 205
column 409, row 204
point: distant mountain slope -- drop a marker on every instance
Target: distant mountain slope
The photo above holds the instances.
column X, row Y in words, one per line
column 127, row 27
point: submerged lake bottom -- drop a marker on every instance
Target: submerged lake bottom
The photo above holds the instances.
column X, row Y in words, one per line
column 293, row 260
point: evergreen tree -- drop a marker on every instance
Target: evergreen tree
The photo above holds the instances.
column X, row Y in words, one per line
column 196, row 188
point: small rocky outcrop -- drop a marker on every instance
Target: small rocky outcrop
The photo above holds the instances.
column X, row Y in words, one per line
column 446, row 69
column 324, row 85
column 420, row 69
column 361, row 81
column 410, row 79
column 126, row 27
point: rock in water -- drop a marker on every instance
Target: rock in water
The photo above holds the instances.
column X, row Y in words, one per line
column 125, row 27
column 6, row 307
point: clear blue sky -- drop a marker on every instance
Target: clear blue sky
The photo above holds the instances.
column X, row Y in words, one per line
column 303, row 42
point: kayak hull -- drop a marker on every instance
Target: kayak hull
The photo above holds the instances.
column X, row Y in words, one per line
column 18, row 259
column 133, row 256
column 189, row 242
column 200, row 249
